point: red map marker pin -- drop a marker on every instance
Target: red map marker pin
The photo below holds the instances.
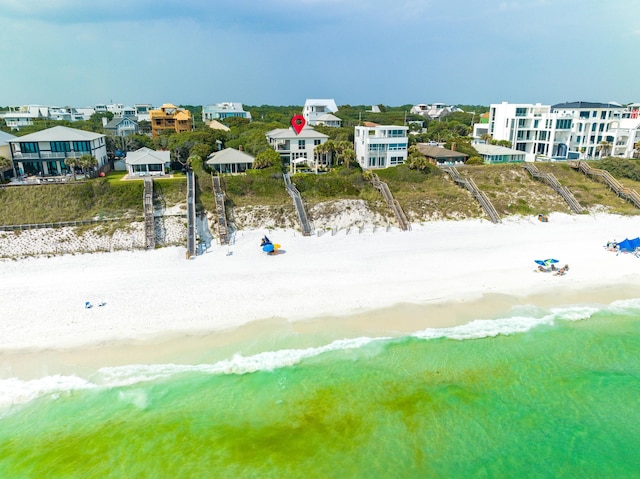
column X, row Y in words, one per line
column 298, row 122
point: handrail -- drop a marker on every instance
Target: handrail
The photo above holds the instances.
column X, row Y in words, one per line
column 223, row 230
column 149, row 220
column 399, row 213
column 552, row 181
column 479, row 195
column 299, row 205
column 618, row 188
column 191, row 215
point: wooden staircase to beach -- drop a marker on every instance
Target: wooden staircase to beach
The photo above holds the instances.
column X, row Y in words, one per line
column 384, row 190
column 223, row 229
column 479, row 195
column 191, row 214
column 149, row 218
column 604, row 176
column 552, row 181
column 305, row 225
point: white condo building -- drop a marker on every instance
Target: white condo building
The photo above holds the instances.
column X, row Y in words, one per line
column 378, row 146
column 572, row 130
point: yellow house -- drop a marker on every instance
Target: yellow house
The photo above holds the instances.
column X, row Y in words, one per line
column 170, row 117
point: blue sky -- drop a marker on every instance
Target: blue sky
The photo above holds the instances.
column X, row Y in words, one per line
column 280, row 52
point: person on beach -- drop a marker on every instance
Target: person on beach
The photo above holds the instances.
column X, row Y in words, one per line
column 265, row 241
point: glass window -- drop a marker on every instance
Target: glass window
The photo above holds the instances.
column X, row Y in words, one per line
column 301, row 144
column 29, row 147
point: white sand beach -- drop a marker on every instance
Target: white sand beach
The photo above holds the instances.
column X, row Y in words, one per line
column 448, row 264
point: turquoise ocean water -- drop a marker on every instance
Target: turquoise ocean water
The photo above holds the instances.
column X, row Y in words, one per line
column 532, row 393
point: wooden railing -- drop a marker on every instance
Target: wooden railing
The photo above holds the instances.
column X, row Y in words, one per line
column 305, row 226
column 383, row 188
column 552, row 181
column 149, row 219
column 604, row 176
column 479, row 195
column 191, row 214
column 221, row 215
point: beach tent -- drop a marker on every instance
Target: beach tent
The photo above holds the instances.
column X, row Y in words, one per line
column 629, row 244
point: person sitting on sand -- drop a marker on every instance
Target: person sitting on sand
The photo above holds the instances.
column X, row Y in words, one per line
column 265, row 241
column 562, row 270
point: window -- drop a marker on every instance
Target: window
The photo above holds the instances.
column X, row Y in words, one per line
column 396, row 160
column 543, row 135
column 584, row 114
column 60, row 146
column 396, row 133
column 397, row 146
column 81, row 146
column 316, row 142
column 563, row 124
column 301, row 144
column 29, row 147
column 377, row 147
column 521, row 111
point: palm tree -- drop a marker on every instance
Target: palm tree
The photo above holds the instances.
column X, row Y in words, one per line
column 604, row 147
column 87, row 161
column 72, row 162
column 5, row 164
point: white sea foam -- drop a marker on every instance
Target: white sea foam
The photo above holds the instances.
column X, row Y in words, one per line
column 14, row 391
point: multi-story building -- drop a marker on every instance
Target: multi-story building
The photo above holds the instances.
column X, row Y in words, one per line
column 575, row 130
column 43, row 153
column 170, row 118
column 295, row 148
column 222, row 111
column 320, row 112
column 378, row 146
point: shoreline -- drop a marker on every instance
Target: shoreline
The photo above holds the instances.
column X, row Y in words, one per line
column 440, row 274
column 196, row 347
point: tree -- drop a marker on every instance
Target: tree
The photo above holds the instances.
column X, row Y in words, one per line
column 87, row 162
column 72, row 162
column 604, row 147
column 5, row 164
column 266, row 159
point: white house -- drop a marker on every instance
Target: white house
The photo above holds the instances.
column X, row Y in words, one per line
column 572, row 130
column 43, row 153
column 221, row 111
column 320, row 112
column 146, row 161
column 626, row 135
column 379, row 146
column 295, row 148
column 230, row 160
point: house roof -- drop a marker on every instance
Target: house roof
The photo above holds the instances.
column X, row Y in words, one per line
column 216, row 125
column 227, row 156
column 5, row 137
column 59, row 133
column 329, row 103
column 147, row 156
column 585, row 104
column 289, row 134
column 485, row 149
column 116, row 120
column 432, row 151
column 328, row 117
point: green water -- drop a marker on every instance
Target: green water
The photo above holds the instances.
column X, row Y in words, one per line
column 559, row 401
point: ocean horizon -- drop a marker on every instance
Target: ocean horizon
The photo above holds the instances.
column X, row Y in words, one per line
column 532, row 392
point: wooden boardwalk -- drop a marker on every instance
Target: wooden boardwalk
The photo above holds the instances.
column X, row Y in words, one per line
column 221, row 215
column 552, row 181
column 384, row 190
column 149, row 217
column 604, row 176
column 470, row 185
column 305, row 225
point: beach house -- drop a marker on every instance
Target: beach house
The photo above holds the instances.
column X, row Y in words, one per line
column 170, row 118
column 43, row 153
column 295, row 148
column 147, row 162
column 320, row 112
column 441, row 156
column 380, row 146
column 230, row 160
column 224, row 110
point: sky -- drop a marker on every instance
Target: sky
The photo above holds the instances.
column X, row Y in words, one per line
column 281, row 52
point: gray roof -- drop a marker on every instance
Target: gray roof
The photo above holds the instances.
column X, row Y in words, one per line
column 438, row 152
column 59, row 133
column 485, row 149
column 585, row 104
column 289, row 134
column 147, row 156
column 228, row 156
column 116, row 120
column 5, row 137
column 328, row 117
